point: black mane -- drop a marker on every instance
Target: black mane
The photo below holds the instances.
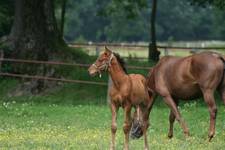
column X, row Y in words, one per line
column 121, row 61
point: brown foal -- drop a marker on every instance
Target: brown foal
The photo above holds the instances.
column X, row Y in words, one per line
column 126, row 91
column 186, row 78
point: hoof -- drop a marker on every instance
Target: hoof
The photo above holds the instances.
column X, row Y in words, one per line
column 210, row 137
column 170, row 136
column 187, row 134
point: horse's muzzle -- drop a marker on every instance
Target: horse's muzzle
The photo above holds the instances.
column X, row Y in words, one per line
column 136, row 131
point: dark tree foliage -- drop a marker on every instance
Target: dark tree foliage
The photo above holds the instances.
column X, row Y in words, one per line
column 6, row 16
column 94, row 20
column 217, row 3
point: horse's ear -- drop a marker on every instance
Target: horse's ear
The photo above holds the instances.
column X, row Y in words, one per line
column 107, row 49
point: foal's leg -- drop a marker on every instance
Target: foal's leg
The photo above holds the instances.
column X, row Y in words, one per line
column 114, row 110
column 171, row 120
column 127, row 125
column 145, row 125
column 210, row 101
column 170, row 102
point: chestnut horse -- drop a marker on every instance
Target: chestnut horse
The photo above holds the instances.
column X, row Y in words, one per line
column 126, row 91
column 199, row 75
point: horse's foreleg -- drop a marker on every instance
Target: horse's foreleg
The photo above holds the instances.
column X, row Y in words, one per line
column 170, row 102
column 114, row 110
column 127, row 125
column 210, row 101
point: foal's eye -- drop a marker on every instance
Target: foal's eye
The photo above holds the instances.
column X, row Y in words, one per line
column 101, row 60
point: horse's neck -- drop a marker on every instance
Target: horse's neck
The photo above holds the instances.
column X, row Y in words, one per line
column 117, row 73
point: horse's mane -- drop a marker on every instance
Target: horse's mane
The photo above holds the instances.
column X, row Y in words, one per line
column 121, row 61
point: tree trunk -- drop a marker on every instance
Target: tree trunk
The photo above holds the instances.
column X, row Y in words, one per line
column 34, row 35
column 153, row 52
column 63, row 9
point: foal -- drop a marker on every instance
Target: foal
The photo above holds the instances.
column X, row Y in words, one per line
column 126, row 91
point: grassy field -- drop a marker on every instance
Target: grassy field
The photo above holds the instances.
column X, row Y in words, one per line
column 87, row 127
column 77, row 117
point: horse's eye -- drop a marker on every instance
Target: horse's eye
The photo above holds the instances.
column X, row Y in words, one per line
column 101, row 60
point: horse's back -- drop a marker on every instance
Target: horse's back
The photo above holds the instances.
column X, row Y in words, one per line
column 183, row 77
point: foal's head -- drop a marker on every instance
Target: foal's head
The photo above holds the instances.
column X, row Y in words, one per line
column 102, row 63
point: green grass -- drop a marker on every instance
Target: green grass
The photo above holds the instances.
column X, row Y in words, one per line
column 76, row 116
column 81, row 127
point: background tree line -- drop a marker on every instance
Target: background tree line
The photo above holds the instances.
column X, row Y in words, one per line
column 36, row 29
column 112, row 21
column 95, row 20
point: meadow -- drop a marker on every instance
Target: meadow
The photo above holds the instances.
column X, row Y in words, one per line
column 77, row 117
column 66, row 118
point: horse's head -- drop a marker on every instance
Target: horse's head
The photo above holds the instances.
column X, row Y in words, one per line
column 102, row 63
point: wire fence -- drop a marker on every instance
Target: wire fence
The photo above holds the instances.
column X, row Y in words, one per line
column 25, row 76
column 96, row 45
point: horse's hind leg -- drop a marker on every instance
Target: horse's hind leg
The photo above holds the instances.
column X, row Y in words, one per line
column 171, row 121
column 171, row 103
column 222, row 93
column 210, row 101
column 223, row 96
column 114, row 110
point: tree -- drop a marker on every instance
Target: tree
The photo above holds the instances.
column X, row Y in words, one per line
column 153, row 52
column 101, row 21
column 217, row 3
column 6, row 16
column 34, row 34
column 63, row 12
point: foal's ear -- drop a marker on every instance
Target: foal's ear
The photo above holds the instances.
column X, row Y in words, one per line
column 107, row 49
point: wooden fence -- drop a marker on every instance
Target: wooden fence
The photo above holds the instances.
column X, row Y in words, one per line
column 25, row 76
column 138, row 47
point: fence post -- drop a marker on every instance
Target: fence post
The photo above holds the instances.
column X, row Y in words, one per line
column 109, row 85
column 166, row 51
column 97, row 51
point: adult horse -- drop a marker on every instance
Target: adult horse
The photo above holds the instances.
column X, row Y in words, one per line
column 199, row 75
column 127, row 90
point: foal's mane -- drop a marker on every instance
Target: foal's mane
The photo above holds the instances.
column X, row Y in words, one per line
column 121, row 61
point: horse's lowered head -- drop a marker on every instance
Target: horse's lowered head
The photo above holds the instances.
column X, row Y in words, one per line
column 102, row 63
